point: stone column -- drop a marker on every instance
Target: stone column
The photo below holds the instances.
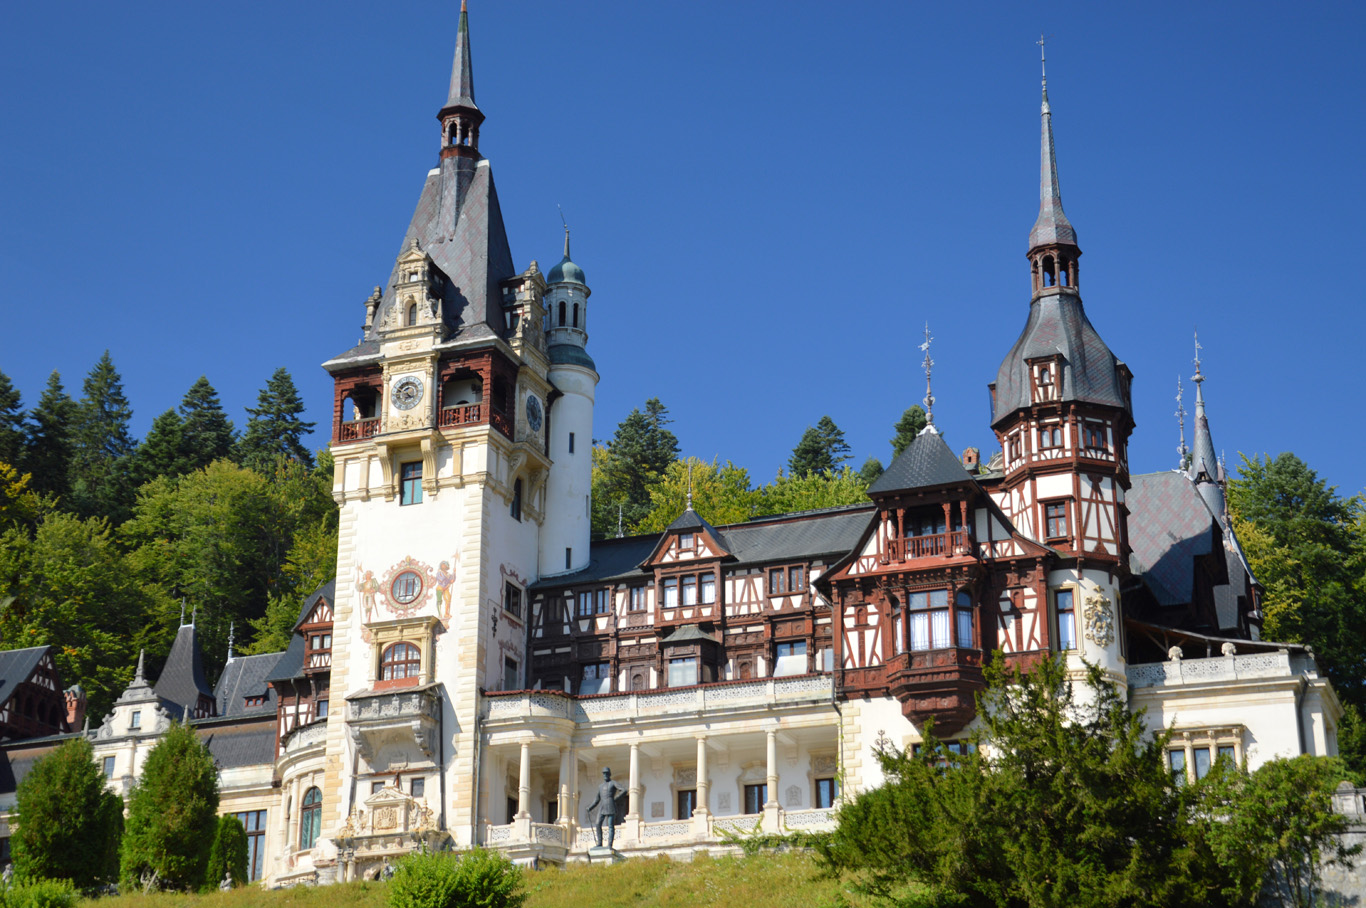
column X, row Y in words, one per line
column 702, row 786
column 772, row 768
column 633, row 810
column 524, row 783
column 565, row 808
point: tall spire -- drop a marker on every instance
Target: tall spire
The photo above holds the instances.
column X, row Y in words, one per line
column 1204, row 468
column 1181, row 449
column 460, row 117
column 1052, row 227
column 462, row 71
column 928, row 363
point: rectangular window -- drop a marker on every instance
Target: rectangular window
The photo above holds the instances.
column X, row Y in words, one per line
column 708, row 589
column 637, row 599
column 512, row 599
column 775, row 581
column 1226, row 752
column 376, row 787
column 687, row 803
column 794, row 579
column 552, row 811
column 571, row 451
column 1055, row 520
column 827, row 790
column 1050, row 438
column 686, row 543
column 791, row 659
column 965, row 629
column 410, row 484
column 109, row 767
column 1094, row 436
column 689, row 590
column 254, row 822
column 568, row 558
column 671, row 593
column 585, row 604
column 1202, row 762
column 417, row 787
column 597, row 678
column 683, row 672
column 512, row 679
column 1176, row 762
column 136, row 722
column 920, row 630
column 602, row 601
column 515, row 509
column 755, row 798
column 939, row 629
column 828, row 659
column 322, row 709
column 1067, row 620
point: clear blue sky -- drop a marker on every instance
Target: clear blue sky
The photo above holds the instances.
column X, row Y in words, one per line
column 769, row 200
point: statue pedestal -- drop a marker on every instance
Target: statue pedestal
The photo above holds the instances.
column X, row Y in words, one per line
column 603, row 853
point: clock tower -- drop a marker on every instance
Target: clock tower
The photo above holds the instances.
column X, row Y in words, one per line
column 450, row 491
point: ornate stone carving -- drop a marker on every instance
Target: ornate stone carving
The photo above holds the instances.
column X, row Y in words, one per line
column 1099, row 620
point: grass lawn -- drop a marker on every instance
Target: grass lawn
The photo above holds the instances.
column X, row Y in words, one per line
column 764, row 881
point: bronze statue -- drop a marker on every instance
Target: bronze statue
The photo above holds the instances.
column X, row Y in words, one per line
column 605, row 802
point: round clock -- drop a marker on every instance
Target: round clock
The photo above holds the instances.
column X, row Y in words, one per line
column 533, row 412
column 406, row 392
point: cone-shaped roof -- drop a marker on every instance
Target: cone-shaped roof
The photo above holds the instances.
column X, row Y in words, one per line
column 1052, row 227
column 461, row 93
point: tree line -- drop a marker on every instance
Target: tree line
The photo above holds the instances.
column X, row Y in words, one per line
column 106, row 541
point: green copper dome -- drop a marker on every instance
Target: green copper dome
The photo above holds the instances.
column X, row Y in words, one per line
column 566, row 271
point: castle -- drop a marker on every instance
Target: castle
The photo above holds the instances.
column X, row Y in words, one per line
column 479, row 659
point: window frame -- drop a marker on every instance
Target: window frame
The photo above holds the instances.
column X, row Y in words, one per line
column 1070, row 613
column 826, row 788
column 759, row 790
column 410, row 483
column 1050, row 516
column 410, row 663
column 310, row 818
column 512, row 599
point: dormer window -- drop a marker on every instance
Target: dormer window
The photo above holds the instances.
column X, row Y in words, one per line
column 686, row 542
column 1045, row 376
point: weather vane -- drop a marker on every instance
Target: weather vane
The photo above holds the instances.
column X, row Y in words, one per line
column 1181, row 449
column 690, row 485
column 1198, row 377
column 928, row 363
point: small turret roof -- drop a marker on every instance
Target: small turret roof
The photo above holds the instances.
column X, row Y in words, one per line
column 566, row 270
column 182, row 681
column 461, row 93
column 926, row 462
column 1052, row 227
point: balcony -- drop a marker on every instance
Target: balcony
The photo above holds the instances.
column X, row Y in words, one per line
column 406, row 717
column 942, row 683
column 935, row 545
column 460, row 415
column 357, row 429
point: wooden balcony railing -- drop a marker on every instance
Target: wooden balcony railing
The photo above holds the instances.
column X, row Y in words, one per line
column 460, row 415
column 935, row 545
column 356, row 429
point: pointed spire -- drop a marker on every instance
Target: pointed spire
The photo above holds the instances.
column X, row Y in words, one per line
column 1052, row 227
column 928, row 363
column 139, row 677
column 689, row 462
column 1204, row 466
column 1181, row 449
column 461, row 93
column 232, row 628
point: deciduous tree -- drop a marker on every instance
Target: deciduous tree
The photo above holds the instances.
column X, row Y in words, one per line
column 720, row 494
column 787, row 494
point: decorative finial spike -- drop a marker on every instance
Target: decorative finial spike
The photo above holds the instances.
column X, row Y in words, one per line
column 621, row 532
column 1181, row 449
column 928, row 363
column 1199, row 376
column 232, row 627
column 139, row 676
column 690, row 485
column 182, row 611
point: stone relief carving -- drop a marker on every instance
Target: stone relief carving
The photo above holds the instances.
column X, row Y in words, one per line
column 1099, row 618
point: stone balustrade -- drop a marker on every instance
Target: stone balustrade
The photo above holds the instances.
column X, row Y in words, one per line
column 1220, row 669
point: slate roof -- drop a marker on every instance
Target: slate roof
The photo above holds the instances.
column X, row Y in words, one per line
column 1169, row 527
column 689, row 633
column 570, row 355
column 17, row 759
column 16, row 665
column 245, row 676
column 926, row 462
column 238, row 743
column 182, row 681
column 291, row 664
column 461, row 93
column 1052, row 227
column 327, row 591
column 1058, row 324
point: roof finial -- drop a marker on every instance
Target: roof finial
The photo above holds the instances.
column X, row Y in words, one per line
column 1043, row 67
column 1199, row 377
column 462, row 71
column 194, row 612
column 1181, row 449
column 928, row 363
column 566, row 233
column 689, row 485
column 138, row 676
column 232, row 627
column 621, row 532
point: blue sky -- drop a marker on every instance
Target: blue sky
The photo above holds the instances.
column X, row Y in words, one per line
column 769, row 200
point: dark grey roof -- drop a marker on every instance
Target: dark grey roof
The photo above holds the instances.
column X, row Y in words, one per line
column 926, row 462
column 182, row 681
column 238, row 743
column 18, row 759
column 570, row 355
column 291, row 664
column 798, row 536
column 16, row 666
column 461, row 93
column 1058, row 324
column 608, row 559
column 245, row 676
column 1169, row 527
column 327, row 591
column 691, row 520
column 1051, row 228
column 689, row 633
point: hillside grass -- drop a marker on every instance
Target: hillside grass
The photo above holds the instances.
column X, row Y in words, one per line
column 761, row 881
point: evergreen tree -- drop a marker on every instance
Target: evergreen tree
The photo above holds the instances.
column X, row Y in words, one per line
column 162, row 452
column 870, row 471
column 172, row 814
column 11, row 422
column 101, row 457
column 821, row 450
column 67, row 819
column 275, row 428
column 907, row 428
column 636, row 458
column 47, row 447
column 207, row 433
column 228, row 854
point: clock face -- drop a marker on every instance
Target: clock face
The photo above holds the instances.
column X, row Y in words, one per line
column 406, row 392
column 533, row 412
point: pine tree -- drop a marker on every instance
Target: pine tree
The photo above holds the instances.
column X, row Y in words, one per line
column 821, row 450
column 207, row 433
column 636, row 458
column 172, row 814
column 47, row 446
column 101, row 457
column 275, row 428
column 162, row 451
column 11, row 422
column 907, row 428
column 67, row 819
column 870, row 471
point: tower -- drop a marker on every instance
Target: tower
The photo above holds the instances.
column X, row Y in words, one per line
column 1061, row 411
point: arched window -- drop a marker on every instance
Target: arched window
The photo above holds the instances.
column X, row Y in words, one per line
column 1062, row 272
column 412, row 314
column 561, row 313
column 1050, row 276
column 402, row 660
column 310, row 818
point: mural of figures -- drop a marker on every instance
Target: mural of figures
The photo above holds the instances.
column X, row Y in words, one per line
column 445, row 576
column 367, row 586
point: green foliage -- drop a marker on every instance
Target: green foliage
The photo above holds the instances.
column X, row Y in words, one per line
column 276, row 427
column 870, row 471
column 721, row 494
column 67, row 820
column 473, row 879
column 172, row 814
column 41, row 894
column 160, row 453
column 822, row 449
column 228, row 855
column 20, row 506
column 102, row 449
column 787, row 494
column 11, row 421
column 907, row 428
column 1275, row 827
column 47, row 447
column 206, row 432
column 633, row 462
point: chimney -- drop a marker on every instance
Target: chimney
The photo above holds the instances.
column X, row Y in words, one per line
column 75, row 706
column 971, row 458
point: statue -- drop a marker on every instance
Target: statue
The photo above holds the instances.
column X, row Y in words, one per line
column 227, row 882
column 605, row 801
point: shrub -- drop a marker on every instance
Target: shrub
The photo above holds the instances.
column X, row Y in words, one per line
column 68, row 822
column 228, row 854
column 474, row 879
column 42, row 894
